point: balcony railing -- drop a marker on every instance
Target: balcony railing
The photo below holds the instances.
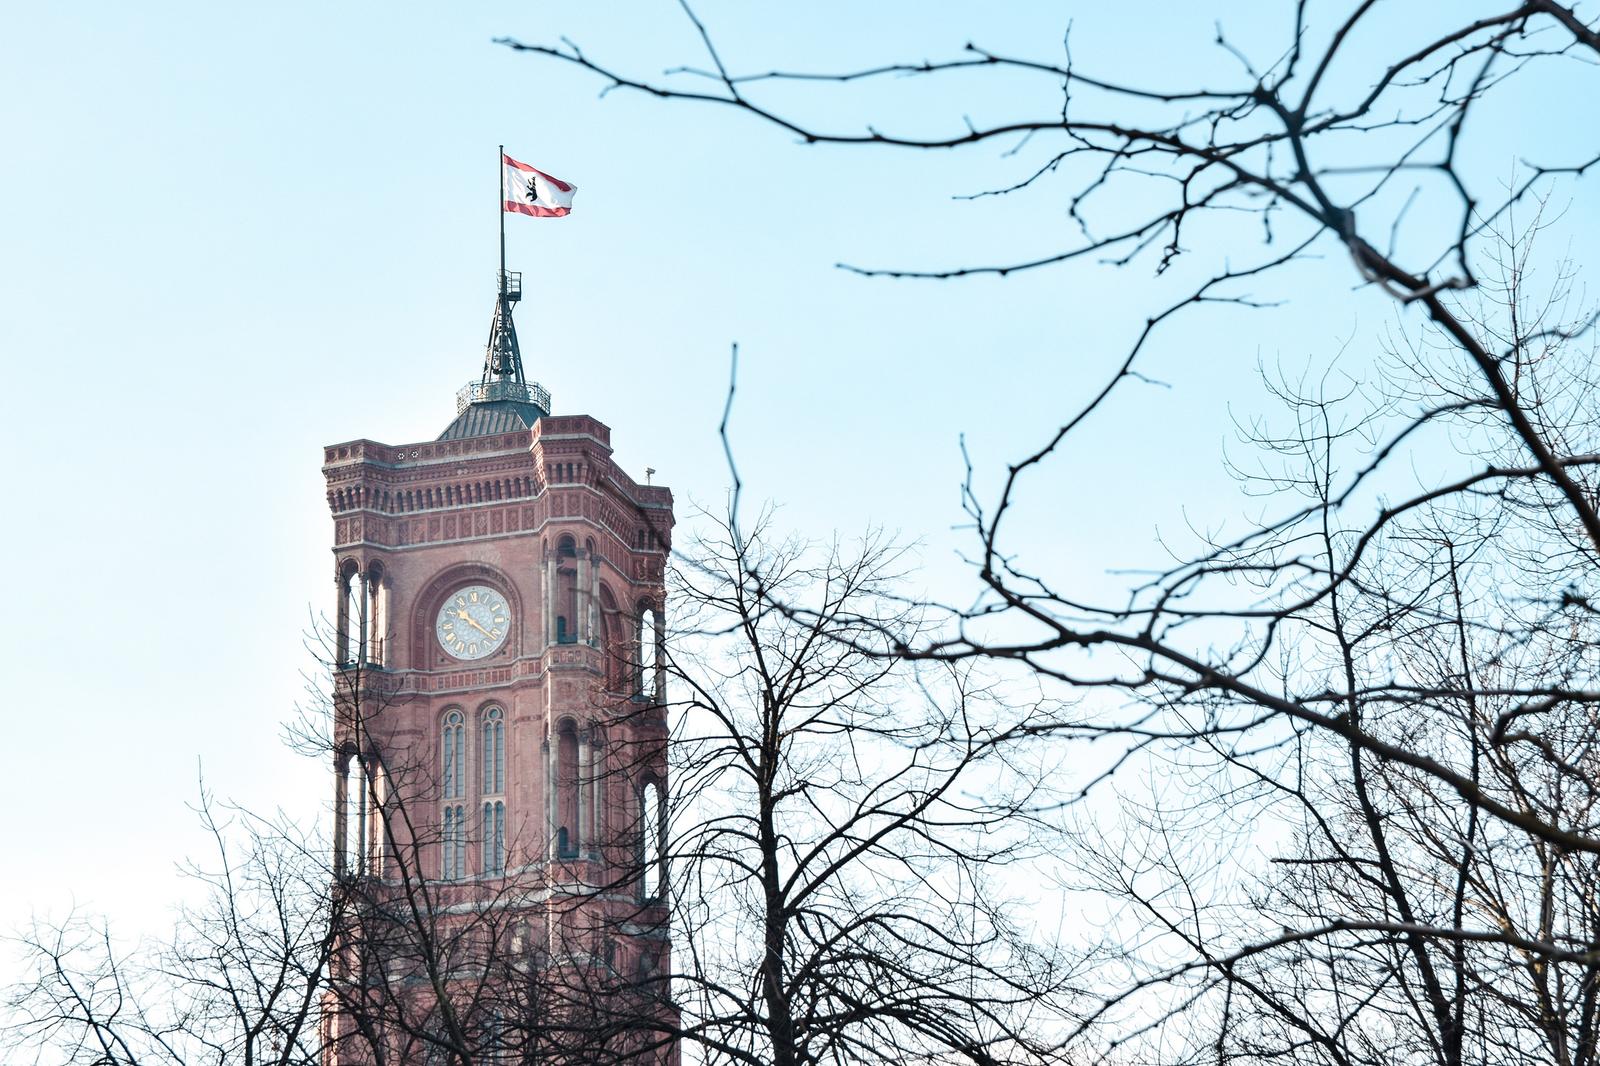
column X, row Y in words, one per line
column 479, row 392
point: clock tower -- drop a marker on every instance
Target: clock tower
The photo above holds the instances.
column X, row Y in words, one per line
column 499, row 738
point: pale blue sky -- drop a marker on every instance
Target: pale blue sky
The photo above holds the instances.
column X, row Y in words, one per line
column 233, row 235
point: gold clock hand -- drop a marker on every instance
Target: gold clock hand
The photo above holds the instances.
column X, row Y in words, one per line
column 467, row 618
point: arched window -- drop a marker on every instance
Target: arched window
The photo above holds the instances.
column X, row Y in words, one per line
column 453, row 757
column 350, row 794
column 364, row 832
column 492, row 784
column 652, row 826
column 614, row 641
column 351, row 615
column 566, row 604
column 647, row 653
column 377, row 606
column 452, row 785
column 566, row 789
column 494, row 837
column 494, row 751
column 453, row 843
column 636, row 651
column 381, row 860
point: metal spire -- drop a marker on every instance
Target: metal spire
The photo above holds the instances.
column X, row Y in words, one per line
column 502, row 377
column 502, row 361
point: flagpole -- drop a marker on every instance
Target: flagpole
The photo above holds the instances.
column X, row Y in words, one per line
column 500, row 209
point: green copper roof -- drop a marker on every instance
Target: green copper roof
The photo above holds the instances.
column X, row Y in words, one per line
column 493, row 416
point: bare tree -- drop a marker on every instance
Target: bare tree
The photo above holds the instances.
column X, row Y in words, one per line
column 837, row 823
column 1365, row 831
column 826, row 863
column 1326, row 905
column 309, row 950
column 240, row 981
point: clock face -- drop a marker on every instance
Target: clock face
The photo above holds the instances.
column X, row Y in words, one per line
column 473, row 622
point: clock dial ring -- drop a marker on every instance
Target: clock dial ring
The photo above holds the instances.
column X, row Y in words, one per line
column 473, row 622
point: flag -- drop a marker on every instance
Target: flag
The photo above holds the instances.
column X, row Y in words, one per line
column 529, row 191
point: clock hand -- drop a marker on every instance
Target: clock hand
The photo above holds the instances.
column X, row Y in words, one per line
column 467, row 618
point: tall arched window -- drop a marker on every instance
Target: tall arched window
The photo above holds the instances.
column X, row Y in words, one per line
column 365, row 831
column 453, row 843
column 351, row 615
column 350, row 833
column 493, row 784
column 494, row 751
column 377, row 607
column 453, row 757
column 613, row 640
column 652, row 825
column 378, row 847
column 647, row 652
column 566, row 789
column 566, row 605
column 494, row 837
column 452, row 786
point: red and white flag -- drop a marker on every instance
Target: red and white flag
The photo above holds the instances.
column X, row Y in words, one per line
column 530, row 191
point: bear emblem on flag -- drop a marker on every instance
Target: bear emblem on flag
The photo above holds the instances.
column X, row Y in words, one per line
column 530, row 191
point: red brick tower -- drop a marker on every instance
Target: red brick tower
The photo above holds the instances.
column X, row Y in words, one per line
column 499, row 737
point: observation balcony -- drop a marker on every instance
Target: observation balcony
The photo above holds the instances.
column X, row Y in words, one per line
column 516, row 392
